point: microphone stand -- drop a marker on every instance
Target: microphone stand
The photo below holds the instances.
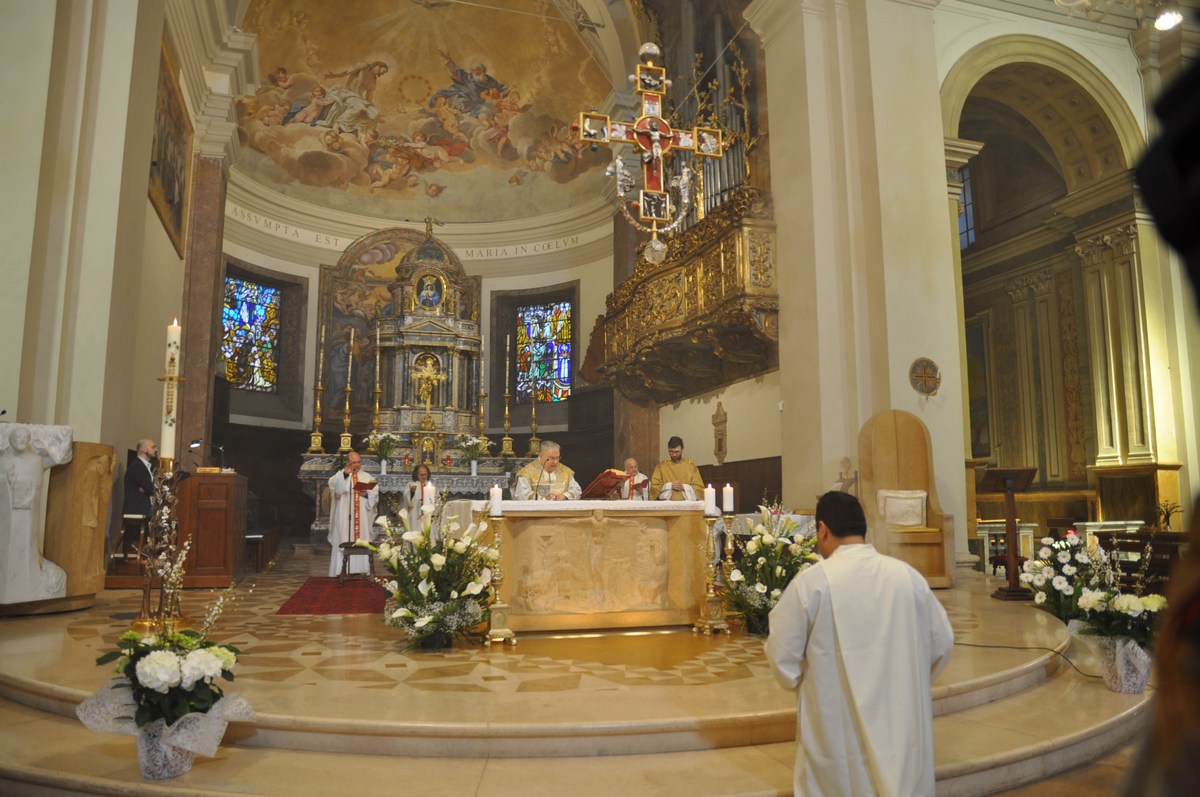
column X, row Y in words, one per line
column 537, row 495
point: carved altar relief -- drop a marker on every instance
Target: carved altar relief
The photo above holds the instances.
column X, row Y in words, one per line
column 585, row 565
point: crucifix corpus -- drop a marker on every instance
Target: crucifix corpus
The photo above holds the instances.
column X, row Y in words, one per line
column 655, row 142
column 426, row 375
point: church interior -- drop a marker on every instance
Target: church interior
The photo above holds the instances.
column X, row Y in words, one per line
column 889, row 247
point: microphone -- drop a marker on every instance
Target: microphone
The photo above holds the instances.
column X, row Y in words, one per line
column 537, row 496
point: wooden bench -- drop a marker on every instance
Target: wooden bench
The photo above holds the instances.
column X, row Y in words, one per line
column 1129, row 547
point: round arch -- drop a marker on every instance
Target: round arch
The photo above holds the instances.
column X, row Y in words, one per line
column 1017, row 48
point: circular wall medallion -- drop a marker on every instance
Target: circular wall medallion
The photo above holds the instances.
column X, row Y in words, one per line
column 925, row 376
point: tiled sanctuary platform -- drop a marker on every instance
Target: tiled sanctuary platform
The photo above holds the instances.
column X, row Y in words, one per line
column 342, row 710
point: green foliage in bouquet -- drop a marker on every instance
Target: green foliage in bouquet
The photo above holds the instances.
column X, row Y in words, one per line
column 765, row 564
column 172, row 674
column 1120, row 614
column 441, row 577
column 384, row 444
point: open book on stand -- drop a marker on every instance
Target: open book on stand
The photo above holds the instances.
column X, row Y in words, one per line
column 604, row 484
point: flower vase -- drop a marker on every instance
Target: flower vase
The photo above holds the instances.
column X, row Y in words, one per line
column 438, row 640
column 1124, row 664
column 159, row 759
column 757, row 624
column 474, row 467
column 382, row 467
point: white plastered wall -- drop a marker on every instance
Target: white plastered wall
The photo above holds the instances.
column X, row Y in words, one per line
column 753, row 421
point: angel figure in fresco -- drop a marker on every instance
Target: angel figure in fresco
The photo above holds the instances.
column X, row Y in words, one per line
column 447, row 117
column 465, row 92
column 311, row 113
column 397, row 169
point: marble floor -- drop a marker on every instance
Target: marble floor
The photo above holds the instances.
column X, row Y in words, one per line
column 652, row 712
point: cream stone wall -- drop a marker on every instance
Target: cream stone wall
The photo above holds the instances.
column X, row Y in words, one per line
column 754, row 429
column 26, row 44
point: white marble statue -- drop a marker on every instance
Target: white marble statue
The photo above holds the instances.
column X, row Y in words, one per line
column 26, row 451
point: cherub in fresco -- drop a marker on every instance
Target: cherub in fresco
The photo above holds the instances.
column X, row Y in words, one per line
column 501, row 110
column 446, row 116
column 465, row 93
column 397, row 169
column 311, row 113
column 432, row 155
column 551, row 148
column 362, row 79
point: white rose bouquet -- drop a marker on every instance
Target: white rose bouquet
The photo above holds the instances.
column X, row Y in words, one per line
column 441, row 577
column 764, row 564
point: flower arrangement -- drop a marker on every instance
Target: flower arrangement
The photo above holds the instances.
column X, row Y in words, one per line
column 172, row 674
column 473, row 447
column 384, row 443
column 1058, row 574
column 1111, row 613
column 442, row 577
column 774, row 554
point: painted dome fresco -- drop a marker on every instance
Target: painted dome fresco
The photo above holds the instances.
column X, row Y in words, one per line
column 396, row 109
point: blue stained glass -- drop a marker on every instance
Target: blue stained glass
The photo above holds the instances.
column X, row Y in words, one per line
column 250, row 345
column 544, row 352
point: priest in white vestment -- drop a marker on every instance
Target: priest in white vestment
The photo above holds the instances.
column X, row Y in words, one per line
column 547, row 479
column 862, row 637
column 420, row 491
column 349, row 519
column 636, row 486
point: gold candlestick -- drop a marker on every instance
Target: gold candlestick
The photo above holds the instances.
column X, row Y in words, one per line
column 346, row 439
column 498, row 630
column 482, row 424
column 535, row 442
column 316, row 445
column 378, row 391
column 506, row 447
column 712, row 611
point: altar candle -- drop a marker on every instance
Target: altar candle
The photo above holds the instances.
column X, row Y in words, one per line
column 727, row 499
column 507, row 360
column 377, row 344
column 495, row 497
column 350, row 359
column 166, row 442
column 427, row 494
column 321, row 357
column 482, row 362
column 710, row 501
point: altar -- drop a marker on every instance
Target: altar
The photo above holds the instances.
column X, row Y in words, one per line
column 578, row 565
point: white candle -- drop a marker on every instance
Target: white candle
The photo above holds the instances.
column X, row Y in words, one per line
column 321, row 357
column 727, row 499
column 350, row 358
column 166, row 442
column 710, row 501
column 507, row 361
column 495, row 498
column 377, row 346
column 482, row 362
column 427, row 494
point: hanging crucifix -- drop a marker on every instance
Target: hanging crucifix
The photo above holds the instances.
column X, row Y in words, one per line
column 654, row 140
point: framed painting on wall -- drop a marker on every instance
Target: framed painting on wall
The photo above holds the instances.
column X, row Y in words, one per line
column 171, row 152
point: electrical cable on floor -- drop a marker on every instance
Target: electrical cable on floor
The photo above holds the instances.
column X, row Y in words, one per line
column 1035, row 647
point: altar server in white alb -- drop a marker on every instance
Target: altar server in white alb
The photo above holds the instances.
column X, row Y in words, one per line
column 349, row 519
column 862, row 637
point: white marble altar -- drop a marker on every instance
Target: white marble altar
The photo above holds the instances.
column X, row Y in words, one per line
column 25, row 452
column 572, row 565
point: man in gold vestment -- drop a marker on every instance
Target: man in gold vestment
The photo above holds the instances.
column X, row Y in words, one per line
column 547, row 479
column 676, row 479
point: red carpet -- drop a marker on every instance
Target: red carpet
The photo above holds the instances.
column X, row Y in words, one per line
column 323, row 596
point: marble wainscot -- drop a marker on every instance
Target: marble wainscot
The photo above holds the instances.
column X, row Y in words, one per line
column 575, row 565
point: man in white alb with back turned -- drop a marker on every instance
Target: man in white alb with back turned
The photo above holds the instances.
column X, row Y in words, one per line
column 862, row 637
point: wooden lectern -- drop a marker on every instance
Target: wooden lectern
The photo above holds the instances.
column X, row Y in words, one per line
column 1009, row 481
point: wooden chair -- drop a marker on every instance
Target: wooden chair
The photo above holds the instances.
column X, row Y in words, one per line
column 895, row 453
column 349, row 550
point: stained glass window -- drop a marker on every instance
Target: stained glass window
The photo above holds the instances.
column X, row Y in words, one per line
column 251, row 335
column 543, row 352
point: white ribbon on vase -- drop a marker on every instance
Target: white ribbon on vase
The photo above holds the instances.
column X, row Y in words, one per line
column 111, row 709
